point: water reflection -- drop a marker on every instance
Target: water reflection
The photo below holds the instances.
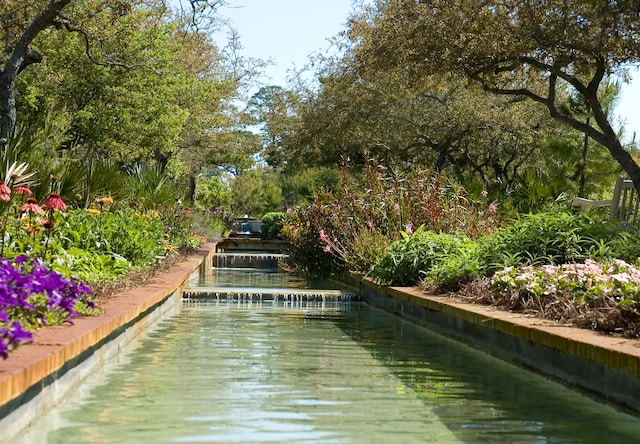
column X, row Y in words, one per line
column 319, row 372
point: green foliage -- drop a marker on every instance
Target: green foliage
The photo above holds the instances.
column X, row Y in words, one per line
column 552, row 238
column 407, row 260
column 357, row 222
column 300, row 185
column 309, row 254
column 90, row 265
column 137, row 238
column 272, row 223
column 149, row 186
column 366, row 247
column 213, row 194
column 463, row 265
column 541, row 52
column 256, row 192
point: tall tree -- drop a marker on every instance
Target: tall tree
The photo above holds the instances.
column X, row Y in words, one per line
column 22, row 22
column 440, row 122
column 535, row 49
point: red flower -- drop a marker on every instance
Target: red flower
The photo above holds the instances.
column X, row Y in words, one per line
column 5, row 192
column 23, row 190
column 54, row 202
column 31, row 206
column 47, row 224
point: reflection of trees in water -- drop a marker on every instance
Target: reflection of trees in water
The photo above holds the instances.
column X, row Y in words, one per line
column 472, row 392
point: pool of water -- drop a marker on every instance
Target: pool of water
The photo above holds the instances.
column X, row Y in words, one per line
column 261, row 278
column 318, row 372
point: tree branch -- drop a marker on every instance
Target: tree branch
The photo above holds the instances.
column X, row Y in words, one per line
column 65, row 23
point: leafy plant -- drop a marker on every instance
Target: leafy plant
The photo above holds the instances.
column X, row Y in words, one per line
column 554, row 238
column 272, row 223
column 409, row 259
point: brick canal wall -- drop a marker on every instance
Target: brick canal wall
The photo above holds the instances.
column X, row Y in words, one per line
column 603, row 366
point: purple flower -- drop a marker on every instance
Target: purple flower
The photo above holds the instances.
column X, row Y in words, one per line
column 20, row 283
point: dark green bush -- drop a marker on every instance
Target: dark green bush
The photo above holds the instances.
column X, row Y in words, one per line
column 272, row 225
column 409, row 259
column 555, row 238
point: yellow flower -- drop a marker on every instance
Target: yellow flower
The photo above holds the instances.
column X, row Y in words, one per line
column 93, row 211
column 104, row 200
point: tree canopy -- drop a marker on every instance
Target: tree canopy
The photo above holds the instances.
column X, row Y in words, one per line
column 539, row 50
column 103, row 29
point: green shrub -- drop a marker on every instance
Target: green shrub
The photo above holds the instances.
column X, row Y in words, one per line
column 309, row 254
column 367, row 246
column 462, row 266
column 138, row 238
column 554, row 238
column 409, row 259
column 272, row 225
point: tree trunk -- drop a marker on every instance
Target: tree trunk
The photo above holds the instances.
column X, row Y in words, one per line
column 610, row 140
column 192, row 188
column 7, row 109
column 583, row 164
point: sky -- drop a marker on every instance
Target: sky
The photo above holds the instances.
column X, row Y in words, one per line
column 289, row 31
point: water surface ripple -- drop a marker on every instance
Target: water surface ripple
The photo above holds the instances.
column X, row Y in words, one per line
column 318, row 372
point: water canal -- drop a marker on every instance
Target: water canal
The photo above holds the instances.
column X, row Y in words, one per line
column 232, row 368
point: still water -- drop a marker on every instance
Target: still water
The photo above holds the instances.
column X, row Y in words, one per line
column 245, row 372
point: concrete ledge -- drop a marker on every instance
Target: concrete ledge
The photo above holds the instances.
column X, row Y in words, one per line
column 38, row 375
column 604, row 366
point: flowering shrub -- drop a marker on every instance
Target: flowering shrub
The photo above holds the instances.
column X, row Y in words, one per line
column 309, row 254
column 372, row 212
column 32, row 296
column 616, row 279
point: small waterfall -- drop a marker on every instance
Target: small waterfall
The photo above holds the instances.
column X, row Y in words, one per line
column 249, row 260
column 243, row 273
column 270, row 294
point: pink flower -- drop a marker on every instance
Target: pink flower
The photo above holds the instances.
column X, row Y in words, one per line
column 323, row 236
column 484, row 193
column 23, row 190
column 493, row 208
column 31, row 206
column 54, row 202
column 5, row 192
column 408, row 228
column 289, row 210
column 396, row 209
column 369, row 224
